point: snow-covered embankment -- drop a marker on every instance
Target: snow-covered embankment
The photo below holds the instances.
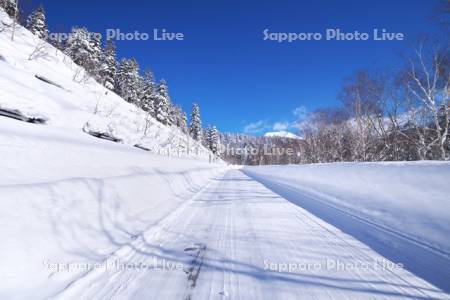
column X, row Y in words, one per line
column 68, row 197
column 402, row 210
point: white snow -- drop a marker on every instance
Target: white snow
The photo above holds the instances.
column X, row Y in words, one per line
column 67, row 197
column 284, row 134
column 400, row 209
column 412, row 195
column 235, row 239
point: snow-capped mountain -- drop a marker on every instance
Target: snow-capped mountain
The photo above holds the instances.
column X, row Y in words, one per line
column 285, row 134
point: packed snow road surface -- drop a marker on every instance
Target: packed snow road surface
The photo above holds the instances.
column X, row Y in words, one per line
column 236, row 239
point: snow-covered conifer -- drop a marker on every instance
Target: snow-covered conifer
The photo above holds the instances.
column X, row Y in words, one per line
column 148, row 93
column 178, row 117
column 214, row 140
column 78, row 46
column 211, row 138
column 195, row 127
column 127, row 80
column 109, row 65
column 162, row 103
column 206, row 135
column 10, row 7
column 183, row 122
column 173, row 115
column 36, row 23
column 95, row 55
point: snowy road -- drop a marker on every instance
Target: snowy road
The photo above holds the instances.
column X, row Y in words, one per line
column 233, row 241
column 85, row 218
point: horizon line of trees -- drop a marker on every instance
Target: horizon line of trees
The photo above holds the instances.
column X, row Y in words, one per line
column 401, row 115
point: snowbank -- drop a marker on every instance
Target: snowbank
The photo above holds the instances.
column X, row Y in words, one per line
column 400, row 210
column 410, row 197
column 68, row 197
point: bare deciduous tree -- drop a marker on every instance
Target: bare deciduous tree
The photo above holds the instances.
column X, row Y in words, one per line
column 428, row 84
column 40, row 51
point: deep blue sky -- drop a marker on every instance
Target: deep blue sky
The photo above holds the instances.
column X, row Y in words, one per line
column 225, row 65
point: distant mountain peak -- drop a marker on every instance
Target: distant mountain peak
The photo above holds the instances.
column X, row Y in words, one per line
column 285, row 134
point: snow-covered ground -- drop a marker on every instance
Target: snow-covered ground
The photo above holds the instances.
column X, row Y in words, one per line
column 235, row 239
column 84, row 218
column 402, row 210
column 68, row 197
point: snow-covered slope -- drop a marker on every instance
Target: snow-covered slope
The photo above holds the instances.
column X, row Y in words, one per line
column 284, row 134
column 40, row 81
column 412, row 195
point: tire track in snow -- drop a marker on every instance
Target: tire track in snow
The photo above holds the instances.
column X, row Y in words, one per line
column 127, row 251
column 241, row 223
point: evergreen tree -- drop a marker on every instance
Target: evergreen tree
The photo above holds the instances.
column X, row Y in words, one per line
column 178, row 117
column 127, row 80
column 162, row 103
column 183, row 122
column 211, row 138
column 206, row 135
column 95, row 55
column 109, row 65
column 10, row 7
column 214, row 140
column 148, row 93
column 173, row 115
column 141, row 91
column 195, row 127
column 78, row 46
column 36, row 23
column 173, row 119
